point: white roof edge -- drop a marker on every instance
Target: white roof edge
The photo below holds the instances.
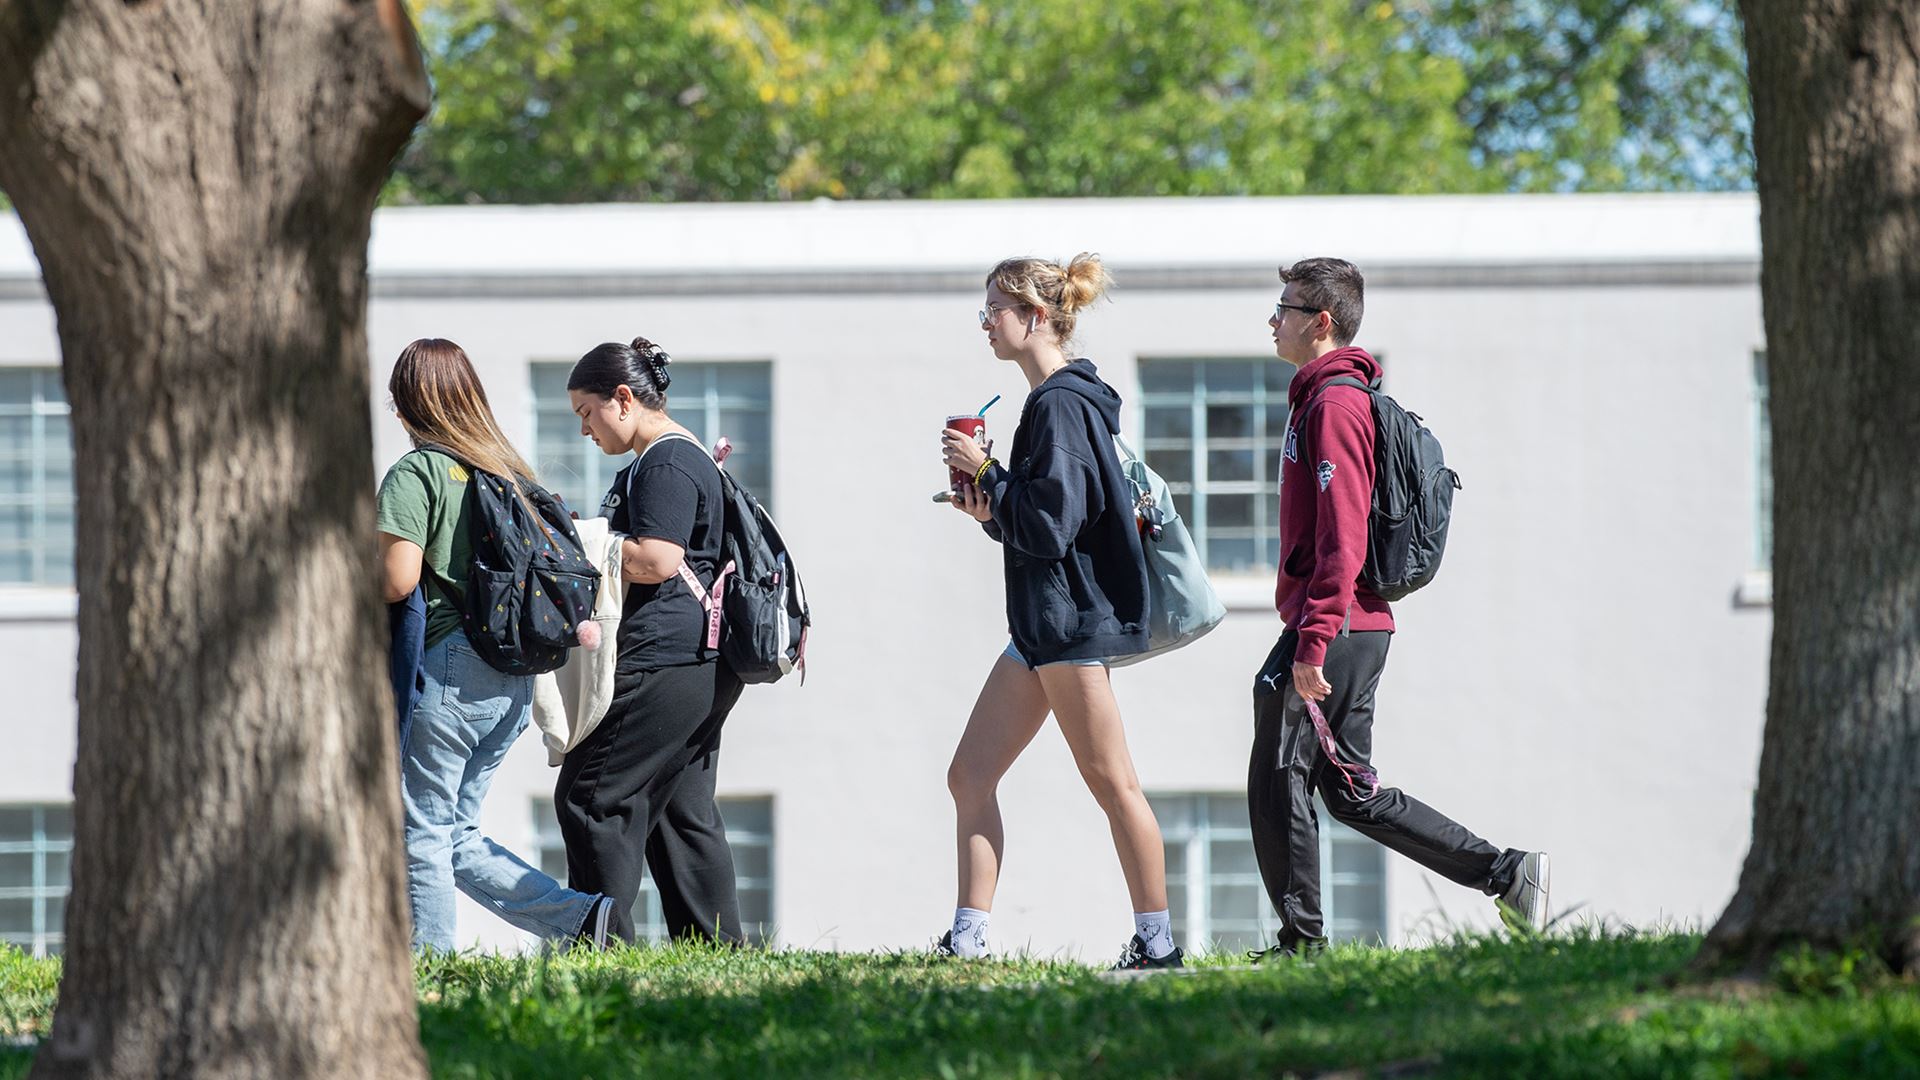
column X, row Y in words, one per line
column 919, row 235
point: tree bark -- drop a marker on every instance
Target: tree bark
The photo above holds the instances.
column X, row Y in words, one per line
column 1834, row 862
column 198, row 180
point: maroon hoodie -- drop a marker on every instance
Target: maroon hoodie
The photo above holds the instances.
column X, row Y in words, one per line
column 1326, row 489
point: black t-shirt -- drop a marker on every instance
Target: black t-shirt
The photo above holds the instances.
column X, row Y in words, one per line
column 671, row 493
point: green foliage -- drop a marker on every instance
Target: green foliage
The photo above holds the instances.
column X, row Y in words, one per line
column 1578, row 1004
column 1602, row 95
column 593, row 100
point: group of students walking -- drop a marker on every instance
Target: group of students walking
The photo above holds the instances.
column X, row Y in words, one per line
column 639, row 790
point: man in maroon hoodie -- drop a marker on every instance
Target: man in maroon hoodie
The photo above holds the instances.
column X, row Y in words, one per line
column 1313, row 699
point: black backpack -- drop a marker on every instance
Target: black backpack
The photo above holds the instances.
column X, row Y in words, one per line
column 530, row 585
column 757, row 613
column 1412, row 497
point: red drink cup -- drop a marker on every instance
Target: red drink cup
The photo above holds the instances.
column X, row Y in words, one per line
column 975, row 426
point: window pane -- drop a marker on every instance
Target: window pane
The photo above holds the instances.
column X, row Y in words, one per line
column 16, row 824
column 1358, row 856
column 1233, row 857
column 1174, row 466
column 1175, row 814
column 1358, row 910
column 1166, row 376
column 1169, row 422
column 56, row 914
column 1226, row 466
column 1227, row 811
column 16, row 870
column 1235, row 901
column 743, row 382
column 1229, row 376
column 747, row 815
column 1229, row 421
column 752, row 861
column 58, row 822
column 1276, row 419
column 1229, row 511
column 58, row 876
column 16, row 916
column 16, row 386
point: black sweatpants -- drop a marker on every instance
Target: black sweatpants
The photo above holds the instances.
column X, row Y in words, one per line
column 1288, row 766
column 640, row 788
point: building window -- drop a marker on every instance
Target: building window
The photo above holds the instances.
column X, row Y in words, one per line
column 1213, row 430
column 1762, row 466
column 36, row 845
column 749, row 834
column 711, row 399
column 36, row 479
column 1213, row 881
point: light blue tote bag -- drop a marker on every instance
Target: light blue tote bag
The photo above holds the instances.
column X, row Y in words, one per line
column 1182, row 605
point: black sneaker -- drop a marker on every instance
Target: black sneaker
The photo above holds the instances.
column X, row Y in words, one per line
column 943, row 949
column 593, row 932
column 1291, row 946
column 1134, row 958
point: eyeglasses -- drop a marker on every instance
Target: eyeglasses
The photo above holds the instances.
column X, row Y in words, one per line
column 992, row 312
column 1280, row 311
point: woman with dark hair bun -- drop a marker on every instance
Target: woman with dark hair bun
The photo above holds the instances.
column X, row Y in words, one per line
column 639, row 789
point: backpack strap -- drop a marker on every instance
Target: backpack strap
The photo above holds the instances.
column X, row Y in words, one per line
column 1371, row 388
column 710, row 599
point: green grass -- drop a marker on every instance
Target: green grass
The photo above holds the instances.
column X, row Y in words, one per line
column 1586, row 1003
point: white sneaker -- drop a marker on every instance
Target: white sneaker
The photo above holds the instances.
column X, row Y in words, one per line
column 1526, row 899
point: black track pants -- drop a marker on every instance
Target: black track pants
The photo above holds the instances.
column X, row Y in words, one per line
column 640, row 790
column 1288, row 766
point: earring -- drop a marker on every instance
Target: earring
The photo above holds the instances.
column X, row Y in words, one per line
column 1033, row 323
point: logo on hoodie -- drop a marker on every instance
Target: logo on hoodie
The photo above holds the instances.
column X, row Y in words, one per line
column 1292, row 449
column 1324, row 474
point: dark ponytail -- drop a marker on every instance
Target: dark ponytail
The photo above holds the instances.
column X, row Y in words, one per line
column 641, row 367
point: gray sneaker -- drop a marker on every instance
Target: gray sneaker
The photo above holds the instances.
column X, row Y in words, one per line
column 1525, row 901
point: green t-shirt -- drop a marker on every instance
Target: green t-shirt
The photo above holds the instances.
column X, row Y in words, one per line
column 424, row 499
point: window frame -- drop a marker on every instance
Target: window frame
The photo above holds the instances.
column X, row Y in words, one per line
column 649, row 919
column 41, row 939
column 1265, row 391
column 1195, row 925
column 44, row 571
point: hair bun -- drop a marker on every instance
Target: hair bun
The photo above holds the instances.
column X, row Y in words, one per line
column 1086, row 280
column 656, row 359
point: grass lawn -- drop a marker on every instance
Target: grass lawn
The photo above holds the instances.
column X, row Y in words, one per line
column 1588, row 1003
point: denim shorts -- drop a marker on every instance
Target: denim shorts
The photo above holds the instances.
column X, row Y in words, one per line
column 1013, row 654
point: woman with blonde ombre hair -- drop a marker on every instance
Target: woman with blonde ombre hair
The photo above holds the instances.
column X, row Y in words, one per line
column 1076, row 582
column 468, row 714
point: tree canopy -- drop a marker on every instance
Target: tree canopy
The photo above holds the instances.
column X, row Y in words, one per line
column 608, row 100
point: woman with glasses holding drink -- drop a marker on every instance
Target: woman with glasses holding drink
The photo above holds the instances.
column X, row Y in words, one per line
column 1076, row 585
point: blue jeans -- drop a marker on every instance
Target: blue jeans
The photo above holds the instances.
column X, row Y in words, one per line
column 466, row 719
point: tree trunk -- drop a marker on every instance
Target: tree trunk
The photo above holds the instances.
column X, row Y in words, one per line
column 1834, row 862
column 198, row 180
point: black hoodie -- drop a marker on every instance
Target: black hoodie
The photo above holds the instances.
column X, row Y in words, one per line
column 1063, row 512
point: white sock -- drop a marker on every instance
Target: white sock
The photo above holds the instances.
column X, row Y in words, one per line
column 1156, row 931
column 970, row 932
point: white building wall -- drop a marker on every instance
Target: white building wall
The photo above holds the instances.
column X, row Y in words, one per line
column 1579, row 678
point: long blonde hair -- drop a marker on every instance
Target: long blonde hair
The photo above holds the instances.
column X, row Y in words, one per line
column 1062, row 290
column 439, row 400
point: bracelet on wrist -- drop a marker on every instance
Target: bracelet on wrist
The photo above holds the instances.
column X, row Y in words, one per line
column 981, row 474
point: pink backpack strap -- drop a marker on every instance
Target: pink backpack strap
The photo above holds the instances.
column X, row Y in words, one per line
column 710, row 601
